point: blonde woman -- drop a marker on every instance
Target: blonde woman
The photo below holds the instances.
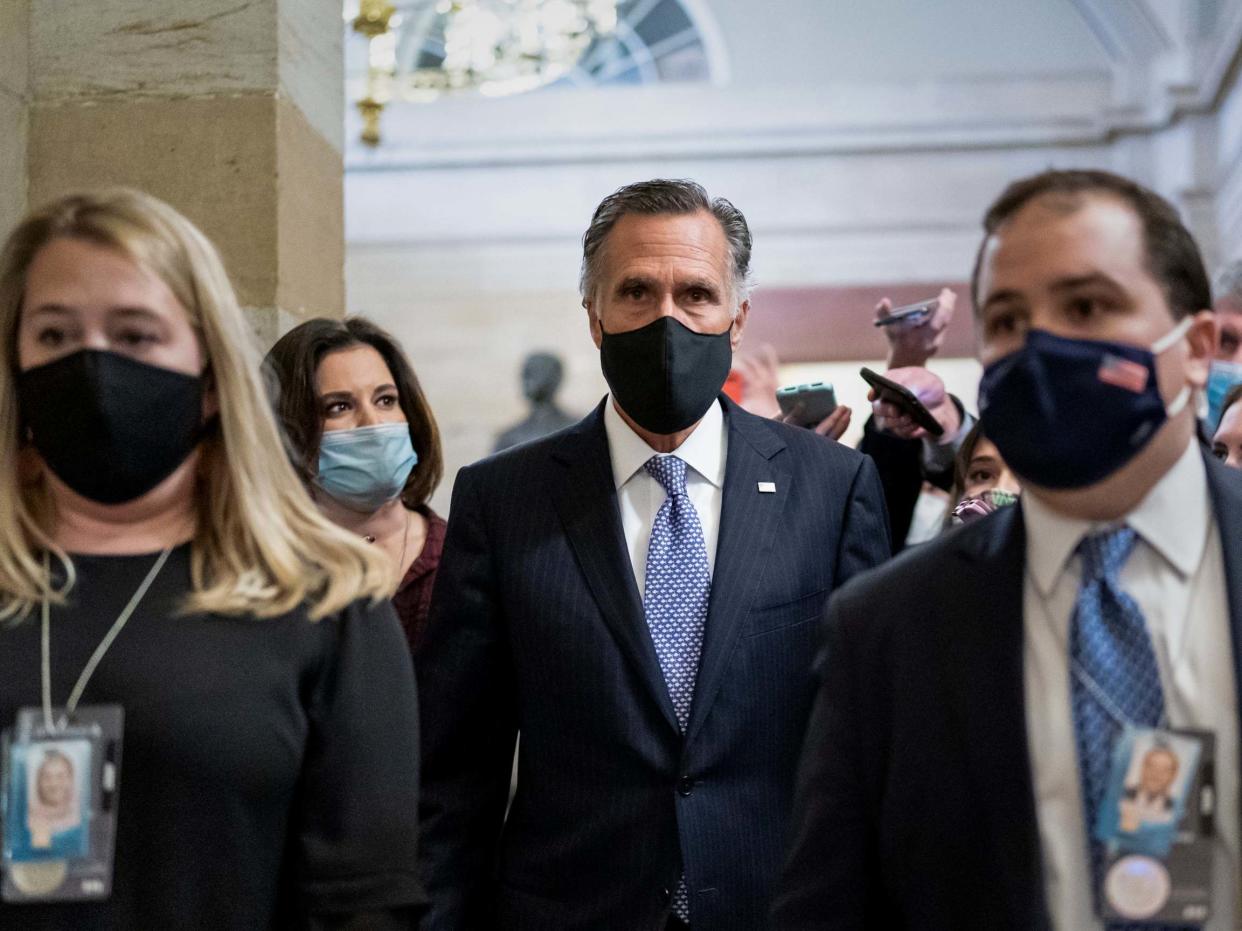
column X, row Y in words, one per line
column 158, row 552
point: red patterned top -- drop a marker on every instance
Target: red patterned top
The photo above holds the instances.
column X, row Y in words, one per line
column 413, row 597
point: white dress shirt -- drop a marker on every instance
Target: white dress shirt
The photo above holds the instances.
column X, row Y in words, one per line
column 1176, row 574
column 640, row 496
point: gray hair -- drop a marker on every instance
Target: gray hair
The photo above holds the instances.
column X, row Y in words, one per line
column 662, row 196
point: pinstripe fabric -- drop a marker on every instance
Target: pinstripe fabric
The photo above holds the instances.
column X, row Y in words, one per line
column 536, row 624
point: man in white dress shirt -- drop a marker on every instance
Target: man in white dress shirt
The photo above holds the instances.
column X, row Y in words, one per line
column 638, row 595
column 987, row 679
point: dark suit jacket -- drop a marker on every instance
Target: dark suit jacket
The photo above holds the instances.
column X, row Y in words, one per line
column 916, row 806
column 536, row 626
column 900, row 464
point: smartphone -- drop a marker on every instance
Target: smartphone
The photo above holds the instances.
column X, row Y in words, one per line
column 910, row 313
column 902, row 397
column 807, row 405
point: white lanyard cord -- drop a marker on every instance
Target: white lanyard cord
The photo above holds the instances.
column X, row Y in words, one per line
column 89, row 669
column 1110, row 707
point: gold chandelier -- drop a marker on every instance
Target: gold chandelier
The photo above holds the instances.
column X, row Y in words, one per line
column 426, row 48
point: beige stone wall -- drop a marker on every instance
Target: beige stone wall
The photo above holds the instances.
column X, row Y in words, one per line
column 14, row 98
column 467, row 342
column 214, row 158
column 310, row 243
column 230, row 111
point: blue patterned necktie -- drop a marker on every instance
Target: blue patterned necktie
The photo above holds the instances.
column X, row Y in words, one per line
column 675, row 596
column 1114, row 679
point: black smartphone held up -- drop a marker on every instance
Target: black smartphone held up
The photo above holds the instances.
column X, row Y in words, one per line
column 808, row 404
column 902, row 397
column 911, row 313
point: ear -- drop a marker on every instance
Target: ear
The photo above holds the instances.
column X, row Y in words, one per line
column 29, row 465
column 739, row 324
column 211, row 399
column 597, row 332
column 1202, row 339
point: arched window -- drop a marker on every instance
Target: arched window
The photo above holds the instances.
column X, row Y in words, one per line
column 655, row 41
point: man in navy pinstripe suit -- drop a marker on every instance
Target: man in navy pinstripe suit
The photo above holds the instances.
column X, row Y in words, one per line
column 638, row 597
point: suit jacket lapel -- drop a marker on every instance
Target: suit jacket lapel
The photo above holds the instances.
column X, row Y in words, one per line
column 1225, row 486
column 982, row 660
column 585, row 497
column 748, row 521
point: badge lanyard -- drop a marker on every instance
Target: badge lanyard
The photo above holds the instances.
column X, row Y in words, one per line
column 89, row 669
column 1084, row 677
column 1157, row 868
column 71, row 860
column 1109, row 706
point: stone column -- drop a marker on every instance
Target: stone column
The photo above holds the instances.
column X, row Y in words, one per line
column 230, row 110
column 14, row 100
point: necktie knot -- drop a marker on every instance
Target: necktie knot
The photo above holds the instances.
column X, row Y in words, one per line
column 1103, row 554
column 670, row 472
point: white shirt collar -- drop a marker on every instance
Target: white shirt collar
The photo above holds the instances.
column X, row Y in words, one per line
column 703, row 450
column 1172, row 519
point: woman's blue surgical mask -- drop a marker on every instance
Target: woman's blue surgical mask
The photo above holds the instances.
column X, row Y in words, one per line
column 1067, row 413
column 366, row 467
column 1221, row 377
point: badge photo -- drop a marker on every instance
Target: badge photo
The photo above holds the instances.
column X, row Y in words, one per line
column 1151, row 774
column 49, row 800
column 60, row 784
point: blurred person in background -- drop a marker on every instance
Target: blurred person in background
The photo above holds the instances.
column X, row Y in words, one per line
column 908, row 457
column 1226, row 370
column 158, row 554
column 761, row 377
column 982, row 483
column 365, row 443
column 639, row 596
column 1227, row 443
column 975, row 692
column 916, row 469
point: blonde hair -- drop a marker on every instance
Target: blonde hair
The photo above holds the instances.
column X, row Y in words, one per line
column 261, row 546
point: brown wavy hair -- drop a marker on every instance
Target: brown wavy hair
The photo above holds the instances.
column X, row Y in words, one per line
column 290, row 368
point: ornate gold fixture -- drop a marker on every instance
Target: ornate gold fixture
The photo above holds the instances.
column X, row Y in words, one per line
column 422, row 49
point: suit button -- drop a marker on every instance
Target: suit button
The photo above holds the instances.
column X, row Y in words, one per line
column 685, row 787
column 666, row 896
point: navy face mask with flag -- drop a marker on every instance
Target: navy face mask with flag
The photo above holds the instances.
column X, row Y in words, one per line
column 1067, row 413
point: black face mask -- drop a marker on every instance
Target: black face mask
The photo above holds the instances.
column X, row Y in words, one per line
column 109, row 427
column 665, row 375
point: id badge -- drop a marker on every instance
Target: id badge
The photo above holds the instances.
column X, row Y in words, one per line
column 58, row 797
column 1156, row 824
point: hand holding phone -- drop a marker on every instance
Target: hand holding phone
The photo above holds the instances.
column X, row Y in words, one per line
column 904, row 399
column 815, row 407
column 911, row 313
column 807, row 405
column 920, row 329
